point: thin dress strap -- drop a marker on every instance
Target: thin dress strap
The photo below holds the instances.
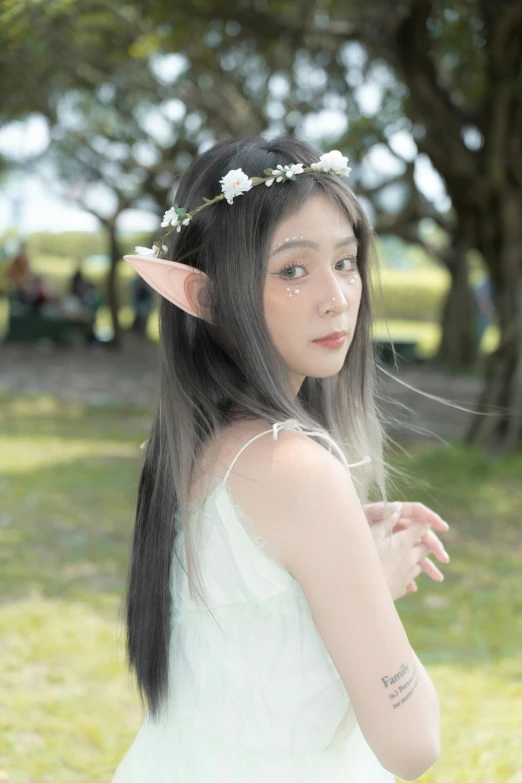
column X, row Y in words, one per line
column 293, row 424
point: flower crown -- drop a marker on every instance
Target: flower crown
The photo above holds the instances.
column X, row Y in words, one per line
column 235, row 183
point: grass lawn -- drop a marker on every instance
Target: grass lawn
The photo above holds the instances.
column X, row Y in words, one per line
column 68, row 479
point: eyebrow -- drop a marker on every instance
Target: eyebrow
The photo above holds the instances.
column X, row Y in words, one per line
column 352, row 240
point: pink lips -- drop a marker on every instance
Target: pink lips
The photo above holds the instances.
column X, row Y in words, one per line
column 331, row 342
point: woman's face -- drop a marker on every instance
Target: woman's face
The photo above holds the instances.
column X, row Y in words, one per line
column 320, row 257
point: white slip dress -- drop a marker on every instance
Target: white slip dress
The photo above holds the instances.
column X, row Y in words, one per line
column 254, row 696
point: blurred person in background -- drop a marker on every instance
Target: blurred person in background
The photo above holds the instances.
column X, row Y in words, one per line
column 79, row 283
column 142, row 303
column 86, row 292
column 484, row 306
column 27, row 287
column 19, row 269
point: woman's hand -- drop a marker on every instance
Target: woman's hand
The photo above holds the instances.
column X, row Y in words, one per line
column 409, row 514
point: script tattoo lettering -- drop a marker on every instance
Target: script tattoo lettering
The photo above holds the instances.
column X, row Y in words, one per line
column 402, row 685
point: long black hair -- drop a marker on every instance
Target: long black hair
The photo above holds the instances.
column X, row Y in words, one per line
column 212, row 374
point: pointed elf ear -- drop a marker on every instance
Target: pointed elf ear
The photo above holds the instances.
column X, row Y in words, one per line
column 180, row 284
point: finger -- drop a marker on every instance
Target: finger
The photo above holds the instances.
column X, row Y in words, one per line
column 431, row 570
column 436, row 546
column 421, row 513
column 433, row 543
column 410, row 512
column 429, row 537
column 402, row 524
column 413, row 533
column 374, row 511
column 419, row 551
column 387, row 525
column 433, row 546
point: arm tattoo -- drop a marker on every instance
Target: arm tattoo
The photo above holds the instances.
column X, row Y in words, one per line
column 402, row 685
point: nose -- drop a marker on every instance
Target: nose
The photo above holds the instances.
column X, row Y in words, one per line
column 334, row 292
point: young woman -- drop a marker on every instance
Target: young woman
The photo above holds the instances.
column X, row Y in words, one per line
column 260, row 613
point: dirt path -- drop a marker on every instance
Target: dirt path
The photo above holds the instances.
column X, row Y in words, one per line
column 97, row 375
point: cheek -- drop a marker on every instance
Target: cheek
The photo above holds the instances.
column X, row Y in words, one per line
column 353, row 291
column 280, row 306
column 283, row 312
column 277, row 303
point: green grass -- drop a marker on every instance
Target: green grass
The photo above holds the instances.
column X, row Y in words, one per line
column 70, row 709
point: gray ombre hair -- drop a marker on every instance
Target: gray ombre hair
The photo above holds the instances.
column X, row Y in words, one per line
column 214, row 374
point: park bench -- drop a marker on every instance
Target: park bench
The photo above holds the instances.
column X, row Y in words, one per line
column 405, row 349
column 27, row 326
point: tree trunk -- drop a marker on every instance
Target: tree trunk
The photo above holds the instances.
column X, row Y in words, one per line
column 483, row 185
column 502, row 393
column 500, row 240
column 112, row 290
column 139, row 325
column 458, row 347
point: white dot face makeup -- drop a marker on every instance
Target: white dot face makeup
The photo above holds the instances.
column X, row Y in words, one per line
column 312, row 288
column 286, row 239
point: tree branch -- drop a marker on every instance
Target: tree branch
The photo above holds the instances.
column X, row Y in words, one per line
column 430, row 104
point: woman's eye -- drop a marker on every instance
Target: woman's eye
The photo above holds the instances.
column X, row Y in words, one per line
column 291, row 267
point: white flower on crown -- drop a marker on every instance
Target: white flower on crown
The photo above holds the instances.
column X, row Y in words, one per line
column 147, row 251
column 294, row 168
column 332, row 161
column 235, row 183
column 285, row 172
column 152, row 252
column 171, row 218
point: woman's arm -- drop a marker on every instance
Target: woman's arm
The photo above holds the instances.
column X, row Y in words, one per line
column 435, row 699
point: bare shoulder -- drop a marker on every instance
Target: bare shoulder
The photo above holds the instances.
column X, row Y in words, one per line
column 268, row 476
column 218, row 453
column 278, row 481
column 265, row 458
